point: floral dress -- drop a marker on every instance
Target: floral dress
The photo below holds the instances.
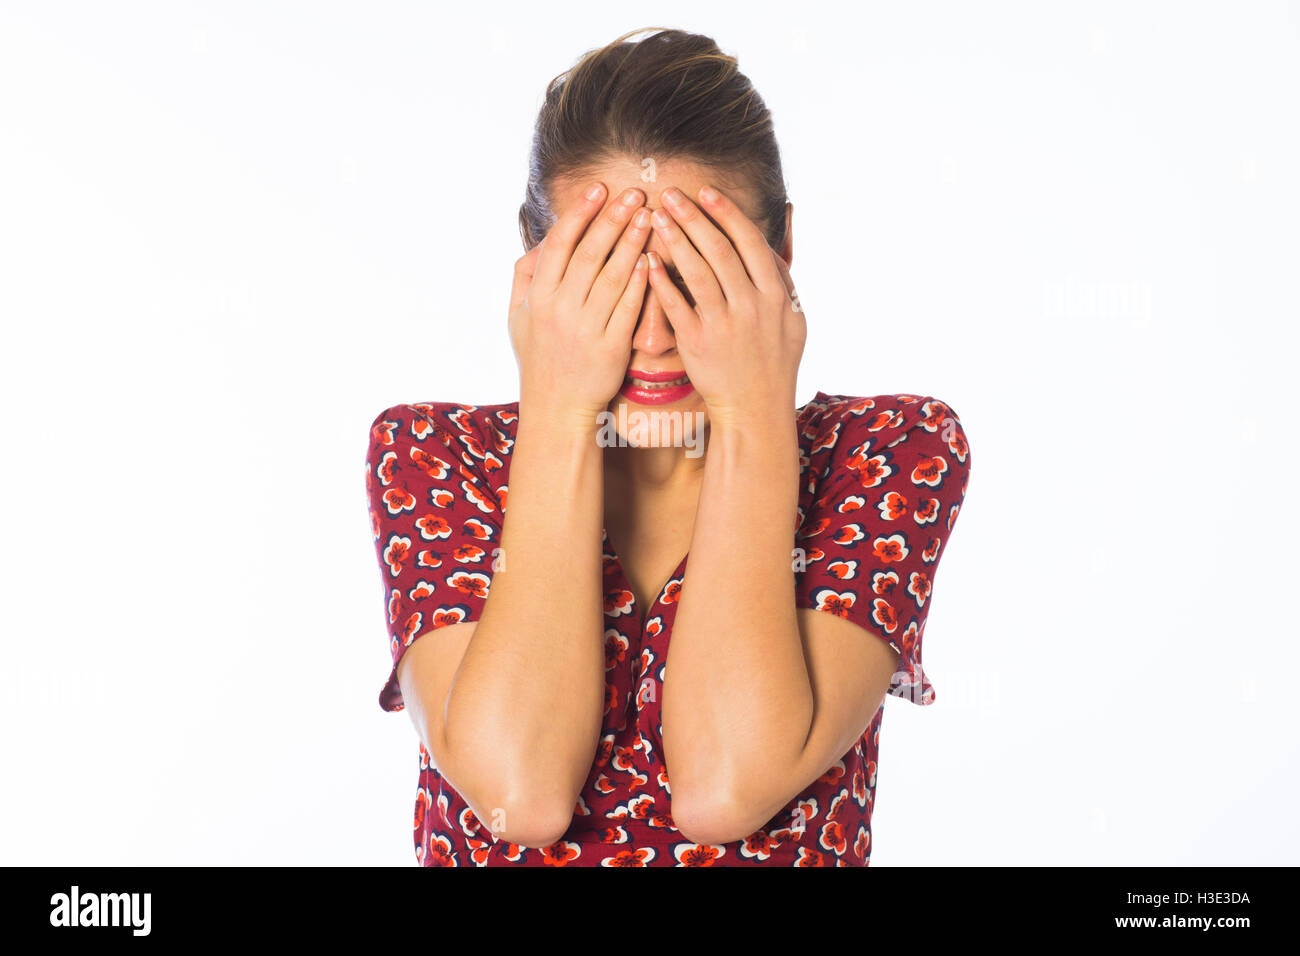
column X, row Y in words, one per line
column 881, row 483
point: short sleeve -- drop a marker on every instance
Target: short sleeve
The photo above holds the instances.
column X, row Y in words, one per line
column 892, row 481
column 436, row 521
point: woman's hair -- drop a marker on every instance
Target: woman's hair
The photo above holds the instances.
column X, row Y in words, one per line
column 672, row 95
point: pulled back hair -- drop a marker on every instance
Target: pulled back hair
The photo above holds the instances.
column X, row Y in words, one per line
column 670, row 96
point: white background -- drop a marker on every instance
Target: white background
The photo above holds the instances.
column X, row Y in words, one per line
column 232, row 234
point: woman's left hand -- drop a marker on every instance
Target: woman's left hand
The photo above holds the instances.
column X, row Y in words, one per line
column 742, row 340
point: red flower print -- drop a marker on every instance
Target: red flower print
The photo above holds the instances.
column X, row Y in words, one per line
column 428, row 559
column 892, row 506
column 411, row 628
column 919, row 587
column 422, row 590
column 836, row 602
column 432, row 528
column 387, row 468
column 469, row 554
column 431, row 465
column 395, row 553
column 440, row 852
column 757, row 846
column 815, row 528
column 422, row 802
column 692, row 854
column 641, row 857
column 883, row 613
column 929, row 471
column 477, row 498
column 833, row 839
column 844, row 570
column 927, row 512
column 616, row 646
column 884, row 582
column 671, row 591
column 849, row 535
column 470, row 582
column 445, row 616
column 618, row 602
column 613, row 835
column 560, row 854
column 893, row 548
column 826, row 440
column 397, row 500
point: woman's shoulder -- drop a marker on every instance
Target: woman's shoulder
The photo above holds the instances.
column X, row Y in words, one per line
column 481, row 436
column 446, row 422
column 457, row 414
column 847, row 429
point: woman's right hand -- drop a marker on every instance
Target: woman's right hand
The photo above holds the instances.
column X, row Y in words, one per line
column 572, row 314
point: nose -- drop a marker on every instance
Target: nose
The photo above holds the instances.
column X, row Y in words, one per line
column 654, row 332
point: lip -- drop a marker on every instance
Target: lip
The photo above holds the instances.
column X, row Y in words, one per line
column 656, row 396
column 655, row 376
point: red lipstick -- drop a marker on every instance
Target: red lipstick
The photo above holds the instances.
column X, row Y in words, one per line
column 650, row 388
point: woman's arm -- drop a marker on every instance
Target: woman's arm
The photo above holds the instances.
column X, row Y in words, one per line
column 737, row 696
column 525, row 709
column 738, row 699
column 524, row 713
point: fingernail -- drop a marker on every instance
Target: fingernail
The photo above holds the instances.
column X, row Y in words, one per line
column 709, row 194
column 595, row 191
column 672, row 195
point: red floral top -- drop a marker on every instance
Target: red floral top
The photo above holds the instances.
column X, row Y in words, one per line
column 882, row 480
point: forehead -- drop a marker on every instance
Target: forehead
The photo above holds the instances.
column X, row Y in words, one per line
column 652, row 177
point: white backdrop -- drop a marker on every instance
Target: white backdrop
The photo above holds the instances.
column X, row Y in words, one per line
column 231, row 234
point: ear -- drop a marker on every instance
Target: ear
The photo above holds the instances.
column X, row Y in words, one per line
column 787, row 247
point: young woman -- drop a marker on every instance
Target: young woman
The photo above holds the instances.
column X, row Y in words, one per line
column 584, row 695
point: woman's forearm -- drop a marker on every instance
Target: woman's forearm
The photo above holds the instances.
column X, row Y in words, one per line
column 529, row 697
column 736, row 686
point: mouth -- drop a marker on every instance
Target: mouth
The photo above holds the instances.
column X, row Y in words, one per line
column 657, row 382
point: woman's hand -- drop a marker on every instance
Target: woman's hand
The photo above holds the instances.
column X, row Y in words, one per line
column 742, row 340
column 572, row 314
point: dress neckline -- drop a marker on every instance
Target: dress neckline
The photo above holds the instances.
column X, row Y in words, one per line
column 641, row 615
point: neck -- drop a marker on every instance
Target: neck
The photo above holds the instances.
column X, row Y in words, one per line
column 636, row 471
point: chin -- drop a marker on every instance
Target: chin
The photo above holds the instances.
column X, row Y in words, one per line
column 679, row 424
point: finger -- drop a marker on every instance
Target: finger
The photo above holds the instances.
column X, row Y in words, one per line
column 784, row 269
column 590, row 255
column 563, row 237
column 710, row 242
column 745, row 236
column 622, row 323
column 698, row 275
column 525, row 266
column 611, row 282
column 681, row 313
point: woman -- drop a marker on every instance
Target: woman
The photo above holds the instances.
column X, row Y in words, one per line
column 549, row 724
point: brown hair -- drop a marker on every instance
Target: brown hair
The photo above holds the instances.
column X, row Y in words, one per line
column 672, row 95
